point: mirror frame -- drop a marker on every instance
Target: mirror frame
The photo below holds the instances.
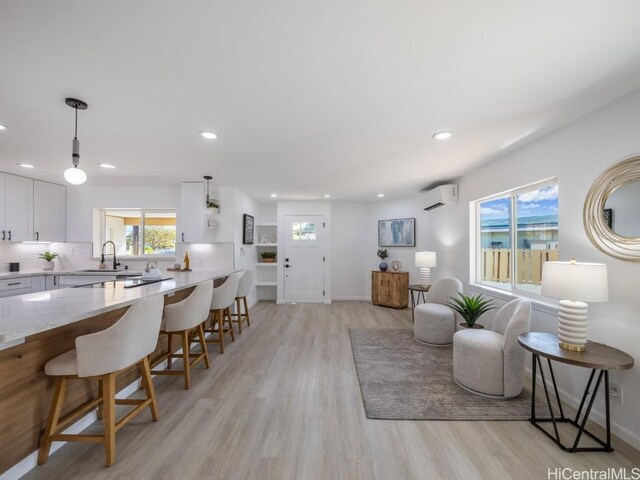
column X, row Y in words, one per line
column 595, row 226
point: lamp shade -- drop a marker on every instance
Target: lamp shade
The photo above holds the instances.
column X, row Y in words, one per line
column 586, row 282
column 426, row 259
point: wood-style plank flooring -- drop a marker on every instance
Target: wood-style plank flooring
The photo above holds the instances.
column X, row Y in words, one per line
column 283, row 402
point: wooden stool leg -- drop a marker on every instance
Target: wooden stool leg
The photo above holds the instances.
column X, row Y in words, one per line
column 246, row 311
column 169, row 338
column 109, row 401
column 151, row 391
column 185, row 360
column 233, row 335
column 100, row 411
column 54, row 416
column 203, row 345
column 239, row 313
column 220, row 330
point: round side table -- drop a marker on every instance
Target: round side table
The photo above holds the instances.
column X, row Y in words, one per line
column 420, row 291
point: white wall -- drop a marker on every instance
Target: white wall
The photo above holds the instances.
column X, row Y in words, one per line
column 349, row 222
column 576, row 155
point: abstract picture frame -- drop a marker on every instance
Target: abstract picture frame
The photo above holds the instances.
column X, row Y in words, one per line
column 247, row 229
column 397, row 232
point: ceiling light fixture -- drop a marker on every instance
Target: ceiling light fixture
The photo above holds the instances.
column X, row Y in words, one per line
column 208, row 135
column 274, row 195
column 2, row 127
column 106, row 165
column 442, row 135
column 75, row 175
column 25, row 165
column 380, row 195
column 326, row 195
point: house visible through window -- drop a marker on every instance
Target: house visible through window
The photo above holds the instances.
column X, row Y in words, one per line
column 137, row 231
column 516, row 233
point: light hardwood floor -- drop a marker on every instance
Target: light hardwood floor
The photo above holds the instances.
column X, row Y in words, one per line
column 284, row 402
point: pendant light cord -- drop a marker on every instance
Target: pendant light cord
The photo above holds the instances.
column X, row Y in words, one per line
column 76, row 134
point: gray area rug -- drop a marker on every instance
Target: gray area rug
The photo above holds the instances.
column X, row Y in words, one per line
column 402, row 379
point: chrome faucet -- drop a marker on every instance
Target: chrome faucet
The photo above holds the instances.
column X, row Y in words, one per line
column 116, row 263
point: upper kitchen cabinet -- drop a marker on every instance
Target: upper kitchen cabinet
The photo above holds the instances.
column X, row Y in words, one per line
column 190, row 219
column 49, row 212
column 17, row 212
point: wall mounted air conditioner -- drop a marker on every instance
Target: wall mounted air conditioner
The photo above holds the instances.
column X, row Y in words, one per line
column 442, row 195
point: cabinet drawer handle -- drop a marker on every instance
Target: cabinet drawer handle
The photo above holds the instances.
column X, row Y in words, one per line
column 37, row 236
column 14, row 283
column 4, row 235
column 9, row 235
column 183, row 236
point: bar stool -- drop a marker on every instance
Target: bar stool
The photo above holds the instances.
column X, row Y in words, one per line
column 244, row 288
column 100, row 356
column 186, row 318
column 223, row 297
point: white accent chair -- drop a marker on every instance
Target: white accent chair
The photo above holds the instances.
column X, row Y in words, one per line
column 435, row 321
column 186, row 320
column 490, row 362
column 100, row 356
column 244, row 289
column 223, row 297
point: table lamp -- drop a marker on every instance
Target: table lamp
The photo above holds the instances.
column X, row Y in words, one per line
column 425, row 261
column 574, row 283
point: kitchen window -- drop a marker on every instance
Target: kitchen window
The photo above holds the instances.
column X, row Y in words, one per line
column 136, row 232
column 515, row 233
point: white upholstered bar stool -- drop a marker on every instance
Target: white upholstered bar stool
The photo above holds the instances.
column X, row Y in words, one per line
column 244, row 289
column 186, row 319
column 223, row 297
column 101, row 356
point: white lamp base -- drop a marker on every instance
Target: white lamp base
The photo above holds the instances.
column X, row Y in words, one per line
column 425, row 277
column 572, row 325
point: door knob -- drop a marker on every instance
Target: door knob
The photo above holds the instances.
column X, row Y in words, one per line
column 287, row 266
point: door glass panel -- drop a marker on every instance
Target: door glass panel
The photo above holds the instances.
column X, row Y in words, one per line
column 495, row 243
column 303, row 231
column 537, row 235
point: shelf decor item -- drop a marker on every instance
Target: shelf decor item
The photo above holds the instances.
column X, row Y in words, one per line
column 574, row 283
column 383, row 254
column 247, row 229
column 425, row 261
column 400, row 232
column 471, row 308
column 48, row 258
column 268, row 257
column 396, row 266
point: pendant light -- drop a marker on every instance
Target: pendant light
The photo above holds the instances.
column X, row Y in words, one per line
column 207, row 178
column 75, row 175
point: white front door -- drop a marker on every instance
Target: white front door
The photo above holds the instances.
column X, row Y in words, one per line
column 304, row 258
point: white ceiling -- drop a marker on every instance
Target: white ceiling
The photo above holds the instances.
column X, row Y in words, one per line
column 332, row 96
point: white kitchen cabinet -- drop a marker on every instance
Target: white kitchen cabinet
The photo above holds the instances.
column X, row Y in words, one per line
column 190, row 218
column 38, row 283
column 15, row 286
column 18, row 208
column 49, row 212
column 52, row 282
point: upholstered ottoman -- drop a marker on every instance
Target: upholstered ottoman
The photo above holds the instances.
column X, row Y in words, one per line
column 434, row 324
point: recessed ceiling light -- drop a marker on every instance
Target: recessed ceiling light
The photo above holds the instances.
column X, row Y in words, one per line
column 25, row 165
column 442, row 135
column 326, row 195
column 2, row 127
column 208, row 135
column 106, row 165
column 274, row 195
column 380, row 195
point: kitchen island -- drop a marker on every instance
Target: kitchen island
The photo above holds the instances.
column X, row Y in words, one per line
column 37, row 327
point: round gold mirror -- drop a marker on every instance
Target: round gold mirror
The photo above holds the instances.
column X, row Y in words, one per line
column 612, row 211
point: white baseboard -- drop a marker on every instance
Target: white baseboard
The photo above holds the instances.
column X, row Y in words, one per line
column 350, row 299
column 598, row 417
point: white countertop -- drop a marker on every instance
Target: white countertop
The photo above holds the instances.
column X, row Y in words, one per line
column 25, row 315
column 35, row 273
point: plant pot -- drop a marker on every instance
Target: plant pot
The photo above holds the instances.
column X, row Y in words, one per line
column 49, row 265
column 475, row 326
column 213, row 210
column 268, row 260
column 383, row 266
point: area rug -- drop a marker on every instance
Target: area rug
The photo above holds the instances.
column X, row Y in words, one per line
column 402, row 379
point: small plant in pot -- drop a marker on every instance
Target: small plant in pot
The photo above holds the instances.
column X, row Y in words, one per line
column 268, row 257
column 383, row 254
column 471, row 308
column 213, row 206
column 48, row 258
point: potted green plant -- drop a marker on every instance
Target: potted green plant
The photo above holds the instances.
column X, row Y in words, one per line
column 471, row 308
column 268, row 257
column 48, row 258
column 213, row 206
column 383, row 254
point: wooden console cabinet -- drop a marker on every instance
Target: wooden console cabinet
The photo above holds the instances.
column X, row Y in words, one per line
column 390, row 289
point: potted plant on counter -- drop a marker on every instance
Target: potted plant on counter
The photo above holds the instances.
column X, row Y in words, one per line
column 383, row 254
column 48, row 258
column 268, row 257
column 471, row 308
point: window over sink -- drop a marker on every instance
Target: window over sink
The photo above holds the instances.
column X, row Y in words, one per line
column 135, row 231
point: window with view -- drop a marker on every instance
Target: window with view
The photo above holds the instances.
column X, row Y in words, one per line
column 138, row 231
column 516, row 233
